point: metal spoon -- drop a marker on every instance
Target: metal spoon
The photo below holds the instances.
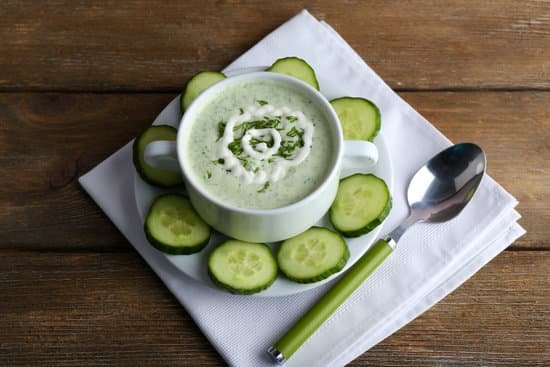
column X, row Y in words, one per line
column 437, row 193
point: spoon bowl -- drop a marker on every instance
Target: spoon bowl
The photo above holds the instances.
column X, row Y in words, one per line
column 446, row 183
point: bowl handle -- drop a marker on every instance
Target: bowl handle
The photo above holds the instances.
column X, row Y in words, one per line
column 358, row 156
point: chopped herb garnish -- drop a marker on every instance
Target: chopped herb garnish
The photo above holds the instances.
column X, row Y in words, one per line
column 295, row 132
column 255, row 141
column 218, row 161
column 261, row 102
column 266, row 122
column 208, row 174
column 288, row 147
column 265, row 187
column 221, row 129
column 244, row 161
column 235, row 147
column 241, row 109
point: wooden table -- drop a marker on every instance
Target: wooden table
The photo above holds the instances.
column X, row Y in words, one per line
column 79, row 79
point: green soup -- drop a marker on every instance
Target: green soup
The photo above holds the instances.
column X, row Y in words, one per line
column 259, row 144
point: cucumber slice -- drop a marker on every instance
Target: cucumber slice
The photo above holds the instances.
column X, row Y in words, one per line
column 362, row 202
column 242, row 267
column 197, row 84
column 313, row 255
column 297, row 68
column 173, row 226
column 155, row 176
column 359, row 117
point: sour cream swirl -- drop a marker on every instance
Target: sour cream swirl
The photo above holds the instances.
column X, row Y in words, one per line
column 265, row 163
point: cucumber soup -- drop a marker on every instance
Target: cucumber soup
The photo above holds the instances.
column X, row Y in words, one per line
column 259, row 144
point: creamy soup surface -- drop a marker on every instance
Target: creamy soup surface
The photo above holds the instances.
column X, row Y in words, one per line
column 259, row 145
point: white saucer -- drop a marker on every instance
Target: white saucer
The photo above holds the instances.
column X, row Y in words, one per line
column 195, row 265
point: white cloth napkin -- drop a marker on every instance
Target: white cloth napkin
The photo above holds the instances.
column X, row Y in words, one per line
column 430, row 260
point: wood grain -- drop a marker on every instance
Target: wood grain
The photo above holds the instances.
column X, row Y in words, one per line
column 109, row 309
column 513, row 130
column 48, row 140
column 500, row 317
column 142, row 45
column 75, row 83
column 92, row 309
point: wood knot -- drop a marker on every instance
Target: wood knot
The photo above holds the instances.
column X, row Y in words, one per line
column 64, row 171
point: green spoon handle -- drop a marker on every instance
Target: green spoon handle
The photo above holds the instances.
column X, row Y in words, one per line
column 302, row 330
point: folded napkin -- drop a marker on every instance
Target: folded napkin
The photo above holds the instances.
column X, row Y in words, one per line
column 430, row 260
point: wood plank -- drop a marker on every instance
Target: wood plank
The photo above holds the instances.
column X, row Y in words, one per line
column 500, row 317
column 514, row 130
column 48, row 140
column 139, row 45
column 109, row 309
column 95, row 310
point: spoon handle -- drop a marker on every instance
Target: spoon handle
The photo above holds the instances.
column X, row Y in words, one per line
column 308, row 323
